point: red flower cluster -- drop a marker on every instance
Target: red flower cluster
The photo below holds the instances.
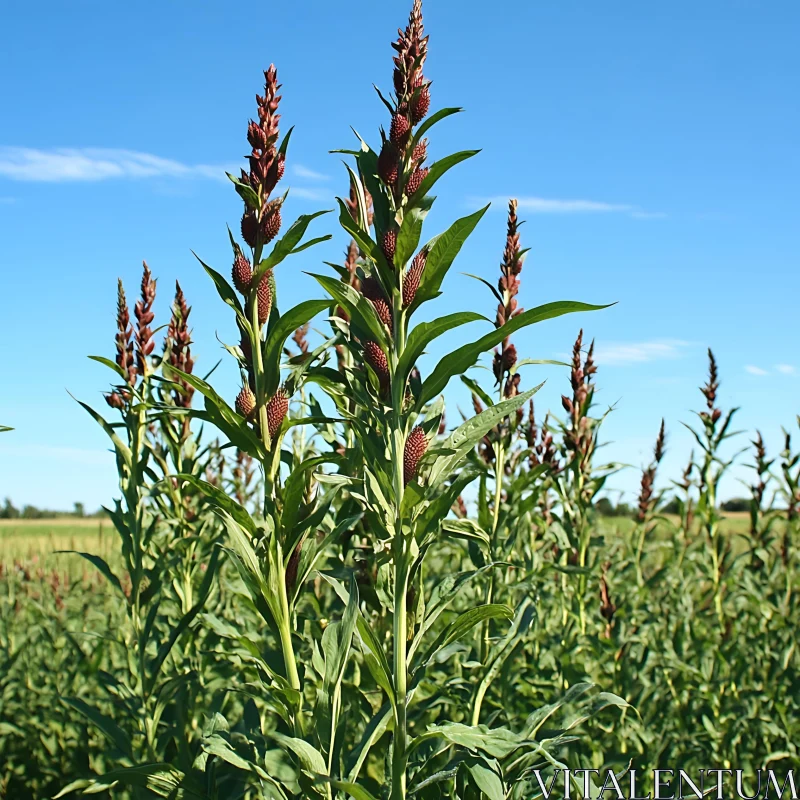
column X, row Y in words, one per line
column 505, row 357
column 261, row 220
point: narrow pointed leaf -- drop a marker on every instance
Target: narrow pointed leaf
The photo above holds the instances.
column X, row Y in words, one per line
column 464, row 357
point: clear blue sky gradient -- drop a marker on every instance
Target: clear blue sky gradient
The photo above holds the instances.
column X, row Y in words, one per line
column 675, row 125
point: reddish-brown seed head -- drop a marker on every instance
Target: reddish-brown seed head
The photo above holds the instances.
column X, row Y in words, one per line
column 415, row 448
column 376, row 358
column 143, row 311
column 388, row 168
column 177, row 347
column 420, row 105
column 371, row 289
column 242, row 272
column 246, row 403
column 399, row 130
column 389, row 246
column 415, row 180
column 277, row 408
column 271, row 222
column 264, row 295
column 250, row 227
column 412, row 277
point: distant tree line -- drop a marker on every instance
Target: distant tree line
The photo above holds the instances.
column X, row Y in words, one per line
column 9, row 511
column 606, row 508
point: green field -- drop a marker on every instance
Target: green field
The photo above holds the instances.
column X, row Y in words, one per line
column 26, row 540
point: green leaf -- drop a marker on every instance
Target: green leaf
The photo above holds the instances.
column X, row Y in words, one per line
column 162, row 780
column 440, row 167
column 469, row 619
column 466, row 436
column 224, row 417
column 278, row 333
column 221, row 499
column 441, row 114
column 353, row 789
column 538, row 362
column 215, row 745
column 186, row 619
column 423, row 334
column 477, row 389
column 523, row 619
column 460, row 360
column 464, row 623
column 442, row 254
column 309, row 756
column 466, row 529
column 294, row 490
column 224, row 289
column 367, row 245
column 355, row 182
column 497, row 742
column 408, row 236
column 106, row 362
column 486, row 283
column 286, row 245
column 486, row 777
column 123, row 451
column 104, row 724
column 360, row 309
column 101, row 564
column 247, row 193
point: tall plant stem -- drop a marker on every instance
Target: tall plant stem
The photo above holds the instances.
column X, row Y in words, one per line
column 500, row 466
column 401, row 565
column 268, row 467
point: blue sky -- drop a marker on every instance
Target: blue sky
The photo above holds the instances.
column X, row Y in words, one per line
column 653, row 148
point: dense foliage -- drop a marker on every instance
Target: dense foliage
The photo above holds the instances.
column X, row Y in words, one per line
column 343, row 595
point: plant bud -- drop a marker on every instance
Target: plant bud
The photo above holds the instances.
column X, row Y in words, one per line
column 399, row 130
column 376, row 358
column 420, row 151
column 242, row 273
column 509, row 357
column 420, row 105
column 246, row 348
column 387, row 164
column 250, row 227
column 281, row 166
column 277, row 408
column 412, row 278
column 415, row 181
column 389, row 245
column 415, row 448
column 115, row 400
column 256, row 136
column 373, row 292
column 567, row 403
column 264, row 295
column 292, row 566
column 271, row 222
column 245, row 403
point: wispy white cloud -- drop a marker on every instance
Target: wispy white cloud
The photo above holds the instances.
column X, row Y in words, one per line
column 305, row 172
column 628, row 353
column 95, row 164
column 310, row 194
column 549, row 205
column 786, row 369
column 753, row 370
column 648, row 214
